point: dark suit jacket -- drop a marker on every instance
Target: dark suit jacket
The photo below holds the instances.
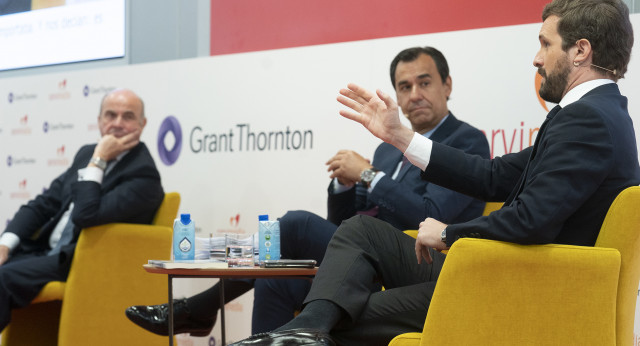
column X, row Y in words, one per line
column 408, row 200
column 584, row 157
column 131, row 192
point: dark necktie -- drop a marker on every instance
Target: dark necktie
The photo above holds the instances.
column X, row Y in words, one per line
column 405, row 162
column 65, row 237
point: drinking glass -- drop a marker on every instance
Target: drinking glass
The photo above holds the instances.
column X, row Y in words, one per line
column 239, row 251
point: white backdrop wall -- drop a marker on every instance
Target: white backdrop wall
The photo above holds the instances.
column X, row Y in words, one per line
column 224, row 104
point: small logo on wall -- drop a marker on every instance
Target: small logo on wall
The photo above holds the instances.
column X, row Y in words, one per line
column 169, row 125
column 234, row 220
column 21, row 96
column 62, row 93
column 23, row 129
column 47, row 127
column 21, row 193
column 12, row 161
column 101, row 90
column 60, row 159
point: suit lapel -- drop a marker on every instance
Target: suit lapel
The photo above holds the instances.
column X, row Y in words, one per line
column 523, row 178
column 443, row 132
column 114, row 169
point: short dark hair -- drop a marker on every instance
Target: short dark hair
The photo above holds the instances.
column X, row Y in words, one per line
column 411, row 54
column 604, row 23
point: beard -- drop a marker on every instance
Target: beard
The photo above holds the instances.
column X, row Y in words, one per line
column 554, row 85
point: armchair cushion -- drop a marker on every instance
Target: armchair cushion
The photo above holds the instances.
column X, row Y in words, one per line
column 492, row 293
column 106, row 277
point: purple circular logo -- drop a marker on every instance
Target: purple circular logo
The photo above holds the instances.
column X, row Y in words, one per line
column 9, row 160
column 45, row 127
column 170, row 156
column 10, row 97
column 85, row 91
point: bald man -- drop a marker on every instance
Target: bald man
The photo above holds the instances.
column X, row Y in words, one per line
column 114, row 180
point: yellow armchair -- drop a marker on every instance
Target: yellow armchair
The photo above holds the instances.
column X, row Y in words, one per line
column 106, row 277
column 496, row 293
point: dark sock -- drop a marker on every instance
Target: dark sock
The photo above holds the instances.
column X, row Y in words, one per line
column 319, row 314
column 206, row 304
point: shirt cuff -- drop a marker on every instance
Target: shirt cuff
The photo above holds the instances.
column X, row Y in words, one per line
column 9, row 240
column 375, row 180
column 91, row 174
column 419, row 151
column 339, row 188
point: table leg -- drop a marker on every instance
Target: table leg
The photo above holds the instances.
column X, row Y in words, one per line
column 170, row 310
column 222, row 327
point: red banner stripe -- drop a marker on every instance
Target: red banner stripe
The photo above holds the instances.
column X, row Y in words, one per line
column 253, row 25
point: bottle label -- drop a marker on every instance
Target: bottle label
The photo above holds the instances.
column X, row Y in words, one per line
column 269, row 240
column 185, row 245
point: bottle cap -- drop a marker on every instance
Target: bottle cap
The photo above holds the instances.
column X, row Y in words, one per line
column 263, row 218
column 185, row 218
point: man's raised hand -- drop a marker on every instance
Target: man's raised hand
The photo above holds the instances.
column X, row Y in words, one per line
column 377, row 112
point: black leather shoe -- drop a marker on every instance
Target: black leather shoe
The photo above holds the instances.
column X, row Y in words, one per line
column 155, row 318
column 293, row 337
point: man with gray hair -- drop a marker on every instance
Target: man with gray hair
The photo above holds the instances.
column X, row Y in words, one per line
column 114, row 180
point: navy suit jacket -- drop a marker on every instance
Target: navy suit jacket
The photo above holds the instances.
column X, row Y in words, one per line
column 130, row 192
column 557, row 191
column 408, row 200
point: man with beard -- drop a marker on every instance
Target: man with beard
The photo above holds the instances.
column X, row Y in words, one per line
column 557, row 191
column 114, row 180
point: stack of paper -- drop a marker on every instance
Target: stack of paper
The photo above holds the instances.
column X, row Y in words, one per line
column 214, row 247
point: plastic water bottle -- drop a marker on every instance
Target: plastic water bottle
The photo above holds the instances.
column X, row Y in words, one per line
column 184, row 237
column 268, row 238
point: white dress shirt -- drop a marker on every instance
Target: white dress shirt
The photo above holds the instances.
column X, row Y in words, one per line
column 419, row 150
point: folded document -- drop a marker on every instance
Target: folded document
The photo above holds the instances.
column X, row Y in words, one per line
column 190, row 264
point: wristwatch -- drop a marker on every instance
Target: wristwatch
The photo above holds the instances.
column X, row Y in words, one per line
column 102, row 164
column 443, row 235
column 366, row 177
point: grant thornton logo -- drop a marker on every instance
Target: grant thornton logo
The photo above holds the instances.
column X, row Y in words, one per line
column 169, row 125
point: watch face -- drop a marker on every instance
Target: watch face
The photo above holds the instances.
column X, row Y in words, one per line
column 367, row 175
